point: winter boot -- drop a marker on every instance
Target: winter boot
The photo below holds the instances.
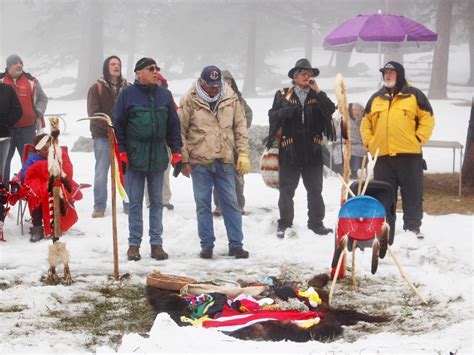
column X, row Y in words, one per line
column 320, row 229
column 133, row 253
column 36, row 234
column 238, row 252
column 169, row 206
column 158, row 253
column 206, row 253
column 280, row 232
column 217, row 212
column 98, row 214
column 416, row 232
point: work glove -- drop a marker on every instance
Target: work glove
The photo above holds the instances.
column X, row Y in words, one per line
column 177, row 162
column 124, row 161
column 243, row 164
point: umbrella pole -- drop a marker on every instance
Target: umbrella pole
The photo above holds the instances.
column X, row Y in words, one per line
column 380, row 54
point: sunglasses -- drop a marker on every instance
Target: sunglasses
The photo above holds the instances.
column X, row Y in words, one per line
column 153, row 68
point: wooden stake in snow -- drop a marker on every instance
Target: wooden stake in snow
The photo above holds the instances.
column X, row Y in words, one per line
column 392, row 254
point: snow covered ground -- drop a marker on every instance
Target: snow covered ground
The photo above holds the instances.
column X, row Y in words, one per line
column 441, row 265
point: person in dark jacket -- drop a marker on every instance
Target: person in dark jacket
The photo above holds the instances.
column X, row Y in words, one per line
column 100, row 99
column 146, row 122
column 300, row 117
column 10, row 114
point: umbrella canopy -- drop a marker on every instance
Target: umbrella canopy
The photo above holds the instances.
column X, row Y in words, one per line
column 376, row 33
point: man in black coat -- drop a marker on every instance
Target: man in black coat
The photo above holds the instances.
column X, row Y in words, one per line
column 299, row 118
column 10, row 113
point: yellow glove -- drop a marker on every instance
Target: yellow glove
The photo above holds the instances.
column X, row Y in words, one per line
column 243, row 164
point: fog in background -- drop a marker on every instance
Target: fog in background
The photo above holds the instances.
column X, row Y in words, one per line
column 69, row 39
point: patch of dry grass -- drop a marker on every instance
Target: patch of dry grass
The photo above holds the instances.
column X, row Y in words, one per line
column 441, row 195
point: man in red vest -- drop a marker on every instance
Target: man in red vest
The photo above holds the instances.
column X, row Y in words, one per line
column 33, row 102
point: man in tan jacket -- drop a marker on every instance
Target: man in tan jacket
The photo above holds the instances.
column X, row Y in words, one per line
column 213, row 127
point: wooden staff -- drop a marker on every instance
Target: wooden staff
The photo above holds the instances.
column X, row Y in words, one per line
column 343, row 244
column 362, row 172
column 114, row 202
column 354, row 282
column 407, row 279
column 111, row 137
column 341, row 95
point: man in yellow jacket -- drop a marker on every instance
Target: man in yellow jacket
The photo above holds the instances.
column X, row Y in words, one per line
column 213, row 129
column 398, row 121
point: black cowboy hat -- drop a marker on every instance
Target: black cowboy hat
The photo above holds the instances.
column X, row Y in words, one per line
column 303, row 63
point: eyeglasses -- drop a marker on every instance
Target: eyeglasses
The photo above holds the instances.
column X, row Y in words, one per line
column 153, row 68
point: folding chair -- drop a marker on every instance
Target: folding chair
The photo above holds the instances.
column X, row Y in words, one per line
column 15, row 186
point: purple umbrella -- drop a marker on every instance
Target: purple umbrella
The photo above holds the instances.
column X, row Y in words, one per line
column 377, row 33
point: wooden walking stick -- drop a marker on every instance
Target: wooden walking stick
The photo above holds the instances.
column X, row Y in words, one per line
column 113, row 157
column 114, row 201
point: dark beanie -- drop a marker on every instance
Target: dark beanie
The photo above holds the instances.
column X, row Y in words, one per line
column 143, row 63
column 399, row 69
column 13, row 59
column 105, row 67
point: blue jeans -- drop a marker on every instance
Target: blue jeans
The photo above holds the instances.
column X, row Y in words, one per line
column 102, row 164
column 222, row 177
column 19, row 137
column 135, row 191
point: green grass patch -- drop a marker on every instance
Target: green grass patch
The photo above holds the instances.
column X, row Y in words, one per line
column 12, row 309
column 107, row 313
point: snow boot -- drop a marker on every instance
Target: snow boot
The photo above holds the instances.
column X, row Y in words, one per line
column 320, row 229
column 280, row 232
column 133, row 253
column 158, row 253
column 238, row 252
column 206, row 253
column 36, row 233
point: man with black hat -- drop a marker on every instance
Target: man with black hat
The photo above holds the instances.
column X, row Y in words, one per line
column 146, row 122
column 301, row 116
column 213, row 129
column 398, row 121
column 100, row 99
column 33, row 102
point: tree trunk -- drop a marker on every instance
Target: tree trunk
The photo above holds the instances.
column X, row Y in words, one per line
column 342, row 62
column 468, row 164
column 2, row 26
column 439, row 73
column 132, row 33
column 92, row 49
column 249, row 88
column 470, row 25
column 308, row 33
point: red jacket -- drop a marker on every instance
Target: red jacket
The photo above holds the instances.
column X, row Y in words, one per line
column 36, row 178
column 25, row 90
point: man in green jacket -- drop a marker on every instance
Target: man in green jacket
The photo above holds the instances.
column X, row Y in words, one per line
column 145, row 121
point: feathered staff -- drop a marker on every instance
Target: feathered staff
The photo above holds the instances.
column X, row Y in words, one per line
column 342, row 105
column 58, row 181
column 117, row 179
